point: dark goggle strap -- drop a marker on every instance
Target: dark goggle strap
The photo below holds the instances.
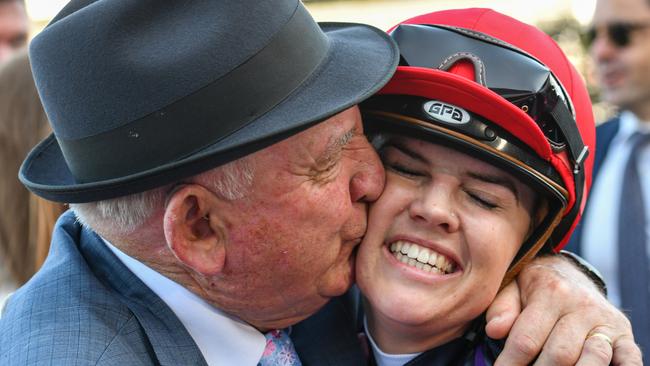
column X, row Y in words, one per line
column 578, row 153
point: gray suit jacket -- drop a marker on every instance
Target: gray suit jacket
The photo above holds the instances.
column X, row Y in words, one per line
column 84, row 307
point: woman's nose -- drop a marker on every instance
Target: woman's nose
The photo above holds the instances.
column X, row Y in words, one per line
column 435, row 207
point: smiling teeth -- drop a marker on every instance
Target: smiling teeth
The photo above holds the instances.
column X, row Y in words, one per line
column 421, row 258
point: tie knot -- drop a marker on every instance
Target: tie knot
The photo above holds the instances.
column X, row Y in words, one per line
column 275, row 334
column 279, row 350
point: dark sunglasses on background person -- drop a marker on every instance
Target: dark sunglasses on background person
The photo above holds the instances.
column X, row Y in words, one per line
column 618, row 33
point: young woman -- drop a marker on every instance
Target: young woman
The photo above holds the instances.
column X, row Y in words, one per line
column 485, row 132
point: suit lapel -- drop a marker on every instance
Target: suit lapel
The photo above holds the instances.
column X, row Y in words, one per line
column 169, row 339
column 604, row 135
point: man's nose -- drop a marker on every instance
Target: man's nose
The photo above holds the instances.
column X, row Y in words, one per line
column 367, row 183
column 5, row 51
column 603, row 49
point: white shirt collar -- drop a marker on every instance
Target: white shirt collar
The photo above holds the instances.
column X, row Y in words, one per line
column 386, row 359
column 222, row 339
column 631, row 124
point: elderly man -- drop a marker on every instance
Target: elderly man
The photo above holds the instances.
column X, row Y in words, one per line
column 214, row 155
column 13, row 27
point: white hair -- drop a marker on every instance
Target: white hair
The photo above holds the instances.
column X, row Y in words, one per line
column 122, row 215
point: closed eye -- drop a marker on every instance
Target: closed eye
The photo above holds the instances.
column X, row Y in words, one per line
column 397, row 159
column 403, row 170
column 488, row 204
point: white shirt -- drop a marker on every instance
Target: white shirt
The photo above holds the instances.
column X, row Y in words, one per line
column 222, row 339
column 599, row 240
column 386, row 359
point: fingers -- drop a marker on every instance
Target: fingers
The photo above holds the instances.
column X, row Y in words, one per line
column 528, row 334
column 571, row 343
column 626, row 352
column 503, row 311
column 562, row 310
column 565, row 343
column 543, row 292
column 597, row 350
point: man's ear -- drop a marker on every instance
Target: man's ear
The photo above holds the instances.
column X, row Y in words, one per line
column 194, row 229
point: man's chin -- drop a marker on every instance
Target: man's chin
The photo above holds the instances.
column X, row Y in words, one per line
column 340, row 283
column 619, row 96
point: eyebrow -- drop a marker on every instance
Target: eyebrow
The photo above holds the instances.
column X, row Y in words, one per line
column 485, row 177
column 409, row 152
column 335, row 146
column 499, row 180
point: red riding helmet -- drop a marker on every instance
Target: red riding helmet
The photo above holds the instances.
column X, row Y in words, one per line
column 503, row 91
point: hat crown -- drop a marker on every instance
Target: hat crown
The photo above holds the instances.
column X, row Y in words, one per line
column 96, row 61
column 144, row 93
column 137, row 76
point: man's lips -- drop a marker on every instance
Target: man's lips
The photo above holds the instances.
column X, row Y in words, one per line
column 612, row 78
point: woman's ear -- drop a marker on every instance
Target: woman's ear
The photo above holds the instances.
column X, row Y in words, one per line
column 194, row 229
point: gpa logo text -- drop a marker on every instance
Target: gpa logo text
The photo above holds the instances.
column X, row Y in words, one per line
column 445, row 112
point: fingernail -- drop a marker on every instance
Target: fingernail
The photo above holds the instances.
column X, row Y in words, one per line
column 495, row 319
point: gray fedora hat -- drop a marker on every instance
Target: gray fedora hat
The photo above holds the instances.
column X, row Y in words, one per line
column 144, row 93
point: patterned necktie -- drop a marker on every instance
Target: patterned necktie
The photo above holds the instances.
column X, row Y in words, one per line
column 279, row 350
column 633, row 256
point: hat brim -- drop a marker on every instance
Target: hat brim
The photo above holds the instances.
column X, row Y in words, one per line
column 360, row 60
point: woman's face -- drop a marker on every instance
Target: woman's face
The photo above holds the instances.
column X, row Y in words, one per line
column 440, row 239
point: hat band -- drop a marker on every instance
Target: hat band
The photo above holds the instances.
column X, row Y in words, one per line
column 208, row 115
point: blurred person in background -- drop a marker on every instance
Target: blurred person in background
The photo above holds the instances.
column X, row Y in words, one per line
column 13, row 27
column 614, row 233
column 25, row 232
